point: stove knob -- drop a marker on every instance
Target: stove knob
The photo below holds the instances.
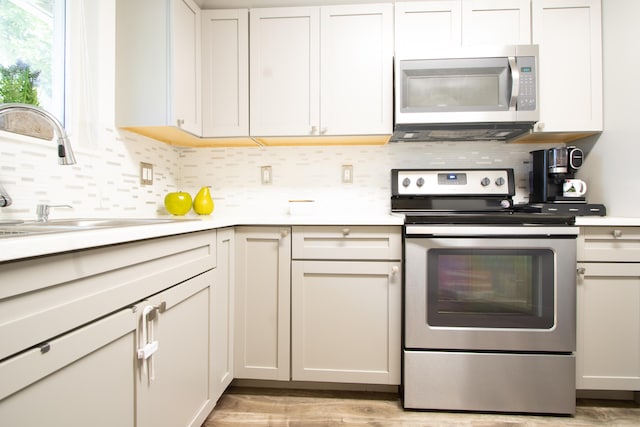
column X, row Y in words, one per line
column 420, row 182
column 500, row 181
column 406, row 182
column 506, row 203
column 485, row 181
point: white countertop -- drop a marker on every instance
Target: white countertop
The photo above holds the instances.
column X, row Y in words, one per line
column 611, row 221
column 13, row 248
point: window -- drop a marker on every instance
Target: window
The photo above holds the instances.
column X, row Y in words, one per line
column 33, row 44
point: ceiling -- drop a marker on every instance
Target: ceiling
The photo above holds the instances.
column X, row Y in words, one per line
column 236, row 4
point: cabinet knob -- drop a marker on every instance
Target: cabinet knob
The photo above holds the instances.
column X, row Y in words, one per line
column 581, row 271
column 617, row 234
column 179, row 122
column 540, row 125
column 314, row 130
column 284, row 233
column 394, row 270
column 346, row 231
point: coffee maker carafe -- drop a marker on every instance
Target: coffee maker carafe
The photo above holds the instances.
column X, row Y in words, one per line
column 549, row 170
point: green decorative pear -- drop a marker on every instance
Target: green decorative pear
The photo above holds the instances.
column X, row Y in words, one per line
column 203, row 203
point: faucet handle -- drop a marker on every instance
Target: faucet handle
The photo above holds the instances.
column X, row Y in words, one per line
column 42, row 211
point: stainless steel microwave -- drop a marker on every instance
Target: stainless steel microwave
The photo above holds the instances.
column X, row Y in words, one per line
column 481, row 87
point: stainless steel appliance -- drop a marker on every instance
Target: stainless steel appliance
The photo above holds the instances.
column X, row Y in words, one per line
column 489, row 295
column 488, row 93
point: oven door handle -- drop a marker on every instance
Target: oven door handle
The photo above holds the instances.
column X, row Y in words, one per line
column 488, row 231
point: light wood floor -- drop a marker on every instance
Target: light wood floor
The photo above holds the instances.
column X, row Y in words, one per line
column 288, row 408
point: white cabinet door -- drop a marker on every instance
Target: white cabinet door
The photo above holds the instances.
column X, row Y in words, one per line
column 356, row 70
column 421, row 25
column 496, row 22
column 222, row 297
column 608, row 328
column 569, row 33
column 225, row 73
column 185, row 63
column 262, row 303
column 83, row 378
column 173, row 383
column 284, row 71
column 158, row 68
column 346, row 321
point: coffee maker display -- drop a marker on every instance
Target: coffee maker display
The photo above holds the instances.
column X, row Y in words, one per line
column 549, row 171
column 553, row 185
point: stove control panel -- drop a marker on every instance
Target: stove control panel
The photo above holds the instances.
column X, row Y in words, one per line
column 452, row 182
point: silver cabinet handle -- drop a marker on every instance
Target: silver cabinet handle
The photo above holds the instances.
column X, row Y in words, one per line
column 617, row 234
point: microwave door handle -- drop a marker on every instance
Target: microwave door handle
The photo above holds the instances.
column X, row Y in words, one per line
column 515, row 83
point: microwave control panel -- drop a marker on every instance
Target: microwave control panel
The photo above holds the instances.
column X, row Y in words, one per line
column 527, row 97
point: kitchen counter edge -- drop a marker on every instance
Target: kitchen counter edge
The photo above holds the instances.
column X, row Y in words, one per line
column 15, row 248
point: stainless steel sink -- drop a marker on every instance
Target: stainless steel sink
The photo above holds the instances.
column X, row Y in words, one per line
column 27, row 228
column 104, row 222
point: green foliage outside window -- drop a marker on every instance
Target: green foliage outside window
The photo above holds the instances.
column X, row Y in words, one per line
column 18, row 84
column 27, row 32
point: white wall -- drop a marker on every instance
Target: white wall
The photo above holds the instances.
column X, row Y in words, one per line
column 611, row 167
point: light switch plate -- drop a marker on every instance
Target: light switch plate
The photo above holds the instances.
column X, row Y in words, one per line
column 265, row 175
column 146, row 173
column 347, row 174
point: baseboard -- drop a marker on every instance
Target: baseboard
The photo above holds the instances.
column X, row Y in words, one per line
column 608, row 394
column 307, row 385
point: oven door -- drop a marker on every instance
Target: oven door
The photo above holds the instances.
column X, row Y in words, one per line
column 487, row 292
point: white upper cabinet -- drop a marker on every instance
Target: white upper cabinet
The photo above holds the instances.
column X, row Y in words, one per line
column 225, row 73
column 356, row 69
column 321, row 71
column 425, row 24
column 496, row 22
column 284, row 71
column 158, row 64
column 421, row 24
column 569, row 33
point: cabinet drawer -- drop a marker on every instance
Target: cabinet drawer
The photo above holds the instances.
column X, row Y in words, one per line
column 613, row 244
column 347, row 242
column 46, row 296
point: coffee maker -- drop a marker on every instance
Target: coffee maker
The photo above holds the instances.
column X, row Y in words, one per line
column 549, row 170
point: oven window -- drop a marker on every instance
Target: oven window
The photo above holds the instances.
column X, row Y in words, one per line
column 491, row 288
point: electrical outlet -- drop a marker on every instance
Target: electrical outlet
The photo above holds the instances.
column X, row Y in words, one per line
column 347, row 174
column 265, row 174
column 146, row 173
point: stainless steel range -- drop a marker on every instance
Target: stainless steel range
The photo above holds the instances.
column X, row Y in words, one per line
column 489, row 295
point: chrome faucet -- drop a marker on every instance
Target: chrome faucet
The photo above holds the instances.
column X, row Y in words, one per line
column 42, row 211
column 65, row 153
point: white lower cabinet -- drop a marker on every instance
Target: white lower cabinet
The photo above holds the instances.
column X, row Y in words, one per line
column 83, row 378
column 262, row 295
column 118, row 335
column 332, row 314
column 608, row 309
column 345, row 321
column 222, row 303
column 173, row 382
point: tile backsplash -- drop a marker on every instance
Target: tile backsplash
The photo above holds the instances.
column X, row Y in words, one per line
column 106, row 181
